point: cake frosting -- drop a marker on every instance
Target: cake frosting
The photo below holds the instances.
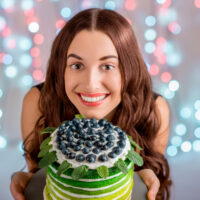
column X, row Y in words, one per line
column 99, row 158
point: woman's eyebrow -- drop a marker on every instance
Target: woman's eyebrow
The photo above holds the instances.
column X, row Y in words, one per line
column 102, row 58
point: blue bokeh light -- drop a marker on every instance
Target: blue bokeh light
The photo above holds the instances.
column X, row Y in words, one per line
column 25, row 60
column 25, row 43
column 172, row 150
column 197, row 115
column 180, row 129
column 1, row 113
column 160, row 1
column 3, row 142
column 27, row 4
column 174, row 85
column 197, row 132
column 176, row 140
column 27, row 80
column 11, row 71
column 7, row 4
column 185, row 112
column 174, row 59
column 168, row 47
column 150, row 34
column 110, row 5
column 66, row 12
column 150, row 20
column 7, row 59
column 2, row 22
column 168, row 94
column 197, row 104
column 149, row 47
column 186, row 146
column 196, row 145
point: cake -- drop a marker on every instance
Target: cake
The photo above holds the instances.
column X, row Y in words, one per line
column 88, row 159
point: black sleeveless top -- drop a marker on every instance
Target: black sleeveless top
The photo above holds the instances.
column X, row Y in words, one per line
column 39, row 86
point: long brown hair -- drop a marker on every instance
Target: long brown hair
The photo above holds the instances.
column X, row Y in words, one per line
column 136, row 113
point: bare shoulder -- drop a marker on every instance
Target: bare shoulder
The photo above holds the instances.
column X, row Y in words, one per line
column 30, row 111
column 162, row 135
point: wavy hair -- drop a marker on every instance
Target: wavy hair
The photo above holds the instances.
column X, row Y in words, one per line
column 136, row 114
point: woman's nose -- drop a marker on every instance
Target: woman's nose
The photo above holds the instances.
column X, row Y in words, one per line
column 92, row 79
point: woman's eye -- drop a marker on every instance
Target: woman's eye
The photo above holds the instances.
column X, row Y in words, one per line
column 108, row 67
column 75, row 66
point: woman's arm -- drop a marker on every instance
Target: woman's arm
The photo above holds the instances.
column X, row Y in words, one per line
column 30, row 114
column 160, row 143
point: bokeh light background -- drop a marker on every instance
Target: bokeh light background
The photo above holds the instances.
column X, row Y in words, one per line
column 168, row 35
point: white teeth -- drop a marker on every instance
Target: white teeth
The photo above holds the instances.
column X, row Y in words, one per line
column 93, row 99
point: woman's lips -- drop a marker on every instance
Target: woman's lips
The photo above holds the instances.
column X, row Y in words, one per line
column 92, row 99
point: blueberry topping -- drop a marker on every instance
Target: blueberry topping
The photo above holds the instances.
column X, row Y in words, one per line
column 102, row 139
column 102, row 122
column 70, row 139
column 75, row 121
column 105, row 147
column 96, row 150
column 112, row 155
column 72, row 144
column 77, row 148
column 93, row 137
column 122, row 137
column 110, row 138
column 66, row 151
column 77, row 136
column 72, row 128
column 93, row 121
column 108, row 131
column 80, row 157
column 99, row 144
column 122, row 143
column 110, row 144
column 85, row 150
column 88, row 143
column 80, row 142
column 83, row 120
column 103, row 158
column 71, row 155
column 87, row 124
column 118, row 129
column 117, row 150
column 91, row 158
column 84, row 136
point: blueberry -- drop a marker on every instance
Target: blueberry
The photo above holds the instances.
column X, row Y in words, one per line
column 80, row 157
column 102, row 139
column 110, row 144
column 110, row 138
column 75, row 121
column 67, row 123
column 105, row 147
column 108, row 131
column 99, row 144
column 66, row 151
column 72, row 144
column 93, row 137
column 91, row 158
column 96, row 150
column 117, row 150
column 84, row 136
column 59, row 147
column 112, row 155
column 79, row 126
column 83, row 120
column 88, row 143
column 85, row 150
column 122, row 143
column 93, row 120
column 77, row 148
column 122, row 137
column 69, row 133
column 71, row 155
column 87, row 124
column 118, row 129
column 103, row 158
column 77, row 136
column 70, row 139
column 90, row 131
column 102, row 122
column 63, row 144
column 80, row 142
column 60, row 133
column 59, row 138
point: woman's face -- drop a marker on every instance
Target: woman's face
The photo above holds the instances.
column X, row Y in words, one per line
column 92, row 75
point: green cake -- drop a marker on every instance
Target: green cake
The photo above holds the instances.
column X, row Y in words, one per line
column 88, row 159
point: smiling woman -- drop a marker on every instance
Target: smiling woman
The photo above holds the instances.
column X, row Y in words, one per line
column 96, row 69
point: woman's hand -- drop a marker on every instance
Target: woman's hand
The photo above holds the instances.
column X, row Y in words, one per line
column 151, row 181
column 18, row 184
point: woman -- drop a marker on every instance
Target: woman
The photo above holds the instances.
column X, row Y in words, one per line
column 96, row 69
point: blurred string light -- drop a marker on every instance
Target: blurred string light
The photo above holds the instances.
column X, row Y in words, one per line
column 166, row 77
column 25, row 60
column 36, row 62
column 169, row 94
column 110, row 5
column 150, row 21
column 174, row 27
column 197, row 3
column 33, row 27
column 65, row 12
column 86, row 4
column 173, row 85
column 167, row 15
column 11, row 71
column 176, row 140
column 9, row 42
column 7, row 4
column 60, row 24
column 1, row 113
column 196, row 145
column 38, row 75
column 160, row 1
column 197, row 115
column 186, row 146
column 149, row 47
column 150, row 34
column 197, row 132
column 27, row 80
column 185, row 112
column 172, row 150
column 2, row 23
column 154, row 70
column 3, row 142
column 6, row 32
column 27, row 4
column 197, row 105
column 174, row 59
column 7, row 59
column 38, row 39
column 35, row 52
column 25, row 43
column 180, row 129
column 130, row 4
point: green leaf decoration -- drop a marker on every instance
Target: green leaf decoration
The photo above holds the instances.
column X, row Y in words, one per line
column 45, row 142
column 135, row 158
column 103, row 171
column 44, row 151
column 48, row 130
column 79, row 172
column 48, row 159
column 133, row 143
column 79, row 116
column 121, row 165
column 63, row 167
